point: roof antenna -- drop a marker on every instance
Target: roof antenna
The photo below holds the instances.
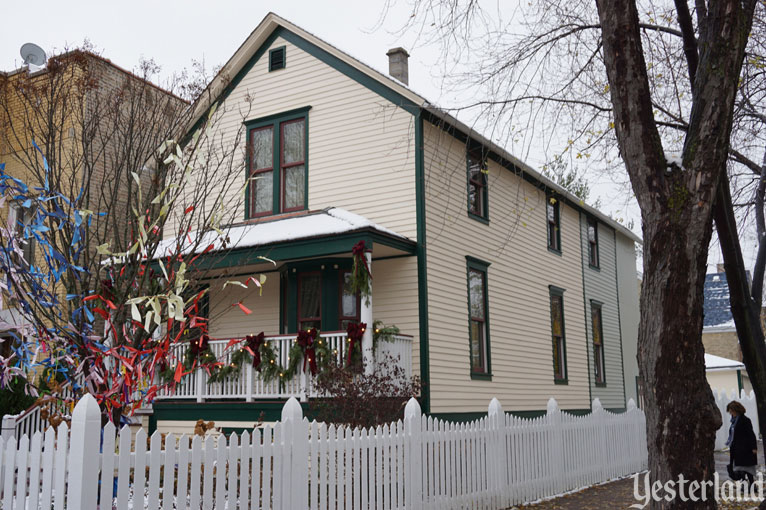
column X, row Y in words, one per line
column 33, row 55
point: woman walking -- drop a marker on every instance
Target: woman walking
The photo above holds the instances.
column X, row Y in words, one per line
column 742, row 444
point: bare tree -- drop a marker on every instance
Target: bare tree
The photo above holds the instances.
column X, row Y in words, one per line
column 651, row 85
column 120, row 196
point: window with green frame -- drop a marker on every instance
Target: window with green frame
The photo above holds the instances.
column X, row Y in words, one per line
column 598, row 343
column 478, row 194
column 553, row 219
column 558, row 335
column 593, row 259
column 277, row 173
column 478, row 319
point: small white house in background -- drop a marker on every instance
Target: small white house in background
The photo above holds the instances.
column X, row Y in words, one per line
column 726, row 374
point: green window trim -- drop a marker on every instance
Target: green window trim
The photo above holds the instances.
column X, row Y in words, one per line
column 562, row 378
column 598, row 306
column 554, row 242
column 477, row 156
column 274, row 52
column 276, row 121
column 478, row 265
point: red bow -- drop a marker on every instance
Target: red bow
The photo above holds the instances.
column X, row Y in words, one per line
column 306, row 341
column 253, row 346
column 355, row 333
column 199, row 346
column 358, row 252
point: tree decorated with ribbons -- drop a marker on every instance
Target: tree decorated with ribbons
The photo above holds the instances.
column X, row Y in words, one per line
column 104, row 237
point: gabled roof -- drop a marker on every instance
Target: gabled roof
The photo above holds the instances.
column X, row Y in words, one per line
column 384, row 84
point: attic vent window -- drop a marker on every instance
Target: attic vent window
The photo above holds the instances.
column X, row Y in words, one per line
column 277, row 59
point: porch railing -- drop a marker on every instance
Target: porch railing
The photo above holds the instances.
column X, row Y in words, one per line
column 249, row 386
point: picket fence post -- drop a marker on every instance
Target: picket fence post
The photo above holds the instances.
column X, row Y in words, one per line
column 557, row 445
column 9, row 426
column 498, row 454
column 413, row 456
column 84, row 454
column 295, row 464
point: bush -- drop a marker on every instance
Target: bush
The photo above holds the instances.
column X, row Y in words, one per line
column 348, row 397
column 14, row 399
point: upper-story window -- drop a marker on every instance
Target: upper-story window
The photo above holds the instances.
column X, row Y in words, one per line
column 593, row 242
column 598, row 343
column 558, row 335
column 20, row 218
column 478, row 320
column 277, row 174
column 553, row 218
column 478, row 196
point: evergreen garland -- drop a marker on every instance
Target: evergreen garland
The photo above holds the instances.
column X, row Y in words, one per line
column 360, row 273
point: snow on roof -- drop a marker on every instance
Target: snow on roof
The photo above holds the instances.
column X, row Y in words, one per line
column 328, row 221
column 713, row 362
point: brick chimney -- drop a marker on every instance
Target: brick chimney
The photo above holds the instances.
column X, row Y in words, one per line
column 397, row 64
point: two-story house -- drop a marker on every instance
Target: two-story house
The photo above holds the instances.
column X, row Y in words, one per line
column 502, row 283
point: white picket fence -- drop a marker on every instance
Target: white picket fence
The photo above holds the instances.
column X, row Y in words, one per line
column 419, row 462
column 722, row 399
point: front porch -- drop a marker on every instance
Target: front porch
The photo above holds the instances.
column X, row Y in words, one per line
column 249, row 386
column 307, row 261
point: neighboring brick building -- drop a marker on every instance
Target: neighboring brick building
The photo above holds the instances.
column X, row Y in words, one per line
column 70, row 108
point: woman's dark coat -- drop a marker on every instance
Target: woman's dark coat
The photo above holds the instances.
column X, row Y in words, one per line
column 744, row 443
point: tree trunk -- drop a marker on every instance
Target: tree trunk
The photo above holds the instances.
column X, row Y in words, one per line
column 676, row 211
column 744, row 308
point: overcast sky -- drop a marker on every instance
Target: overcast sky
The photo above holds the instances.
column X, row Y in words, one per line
column 175, row 32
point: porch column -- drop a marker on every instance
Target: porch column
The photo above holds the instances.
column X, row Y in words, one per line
column 365, row 315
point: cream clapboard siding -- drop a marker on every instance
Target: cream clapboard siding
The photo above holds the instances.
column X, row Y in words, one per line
column 394, row 301
column 360, row 146
column 628, row 292
column 601, row 285
column 522, row 269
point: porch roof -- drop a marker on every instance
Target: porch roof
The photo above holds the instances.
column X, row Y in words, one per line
column 309, row 234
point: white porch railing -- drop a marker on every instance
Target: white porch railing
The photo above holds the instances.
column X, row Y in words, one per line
column 249, row 386
column 30, row 421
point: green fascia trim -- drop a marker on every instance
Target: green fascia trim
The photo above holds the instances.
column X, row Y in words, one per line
column 739, row 382
column 585, row 312
column 619, row 324
column 478, row 265
column 420, row 209
column 289, row 250
column 220, row 411
column 317, row 52
column 284, row 58
column 296, row 113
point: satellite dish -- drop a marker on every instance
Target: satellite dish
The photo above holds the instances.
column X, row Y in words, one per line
column 33, row 54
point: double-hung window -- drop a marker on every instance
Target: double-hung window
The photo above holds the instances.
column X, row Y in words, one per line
column 558, row 335
column 598, row 343
column 553, row 218
column 478, row 206
column 478, row 328
column 593, row 242
column 20, row 218
column 277, row 164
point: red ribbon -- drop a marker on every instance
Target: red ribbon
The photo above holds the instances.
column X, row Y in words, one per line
column 253, row 345
column 358, row 252
column 355, row 333
column 306, row 341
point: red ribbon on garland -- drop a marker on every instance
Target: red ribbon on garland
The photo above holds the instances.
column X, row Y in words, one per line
column 253, row 346
column 358, row 252
column 355, row 332
column 306, row 341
